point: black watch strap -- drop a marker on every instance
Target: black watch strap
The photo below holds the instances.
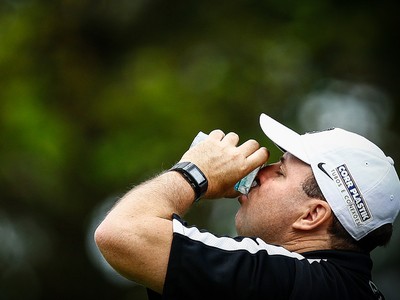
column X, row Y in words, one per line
column 194, row 176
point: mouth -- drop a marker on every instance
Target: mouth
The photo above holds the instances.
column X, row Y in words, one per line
column 246, row 197
column 243, row 198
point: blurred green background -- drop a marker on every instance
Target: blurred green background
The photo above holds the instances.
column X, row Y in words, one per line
column 96, row 96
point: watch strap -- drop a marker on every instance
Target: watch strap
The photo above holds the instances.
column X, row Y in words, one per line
column 194, row 176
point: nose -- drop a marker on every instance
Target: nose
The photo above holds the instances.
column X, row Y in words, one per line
column 266, row 171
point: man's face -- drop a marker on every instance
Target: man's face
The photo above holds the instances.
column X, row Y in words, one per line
column 271, row 207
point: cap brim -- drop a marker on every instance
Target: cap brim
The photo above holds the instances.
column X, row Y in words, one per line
column 284, row 137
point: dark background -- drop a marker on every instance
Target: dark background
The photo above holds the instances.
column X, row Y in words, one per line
column 96, row 96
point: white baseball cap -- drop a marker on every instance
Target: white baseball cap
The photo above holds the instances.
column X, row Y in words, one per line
column 357, row 179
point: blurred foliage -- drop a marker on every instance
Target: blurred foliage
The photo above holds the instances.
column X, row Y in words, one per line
column 99, row 95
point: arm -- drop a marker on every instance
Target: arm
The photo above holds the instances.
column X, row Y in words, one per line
column 135, row 237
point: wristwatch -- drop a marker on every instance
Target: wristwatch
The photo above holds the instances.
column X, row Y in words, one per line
column 194, row 176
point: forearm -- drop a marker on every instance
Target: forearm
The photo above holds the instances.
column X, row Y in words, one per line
column 158, row 197
column 138, row 230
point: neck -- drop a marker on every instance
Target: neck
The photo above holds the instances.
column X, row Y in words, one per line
column 307, row 243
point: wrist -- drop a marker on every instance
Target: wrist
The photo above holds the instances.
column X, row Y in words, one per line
column 194, row 176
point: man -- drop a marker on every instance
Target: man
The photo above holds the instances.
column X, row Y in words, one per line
column 305, row 228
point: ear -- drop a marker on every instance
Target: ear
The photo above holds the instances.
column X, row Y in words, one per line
column 316, row 213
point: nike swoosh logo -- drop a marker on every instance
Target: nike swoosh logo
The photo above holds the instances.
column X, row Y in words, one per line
column 321, row 167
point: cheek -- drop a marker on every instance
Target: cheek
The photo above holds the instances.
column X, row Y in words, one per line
column 252, row 216
column 269, row 207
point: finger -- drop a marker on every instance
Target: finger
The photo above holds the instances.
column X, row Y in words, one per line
column 217, row 134
column 249, row 147
column 232, row 194
column 258, row 158
column 231, row 138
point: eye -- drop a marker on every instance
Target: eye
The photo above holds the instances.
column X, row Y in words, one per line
column 280, row 172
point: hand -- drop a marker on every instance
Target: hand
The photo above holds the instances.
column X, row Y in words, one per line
column 224, row 163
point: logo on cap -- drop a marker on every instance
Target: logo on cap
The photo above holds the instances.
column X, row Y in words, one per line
column 321, row 167
column 351, row 194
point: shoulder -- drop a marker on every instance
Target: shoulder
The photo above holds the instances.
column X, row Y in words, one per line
column 252, row 245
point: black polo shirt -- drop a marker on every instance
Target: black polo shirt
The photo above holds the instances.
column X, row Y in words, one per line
column 205, row 266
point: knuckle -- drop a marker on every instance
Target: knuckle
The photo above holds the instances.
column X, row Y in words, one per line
column 217, row 132
column 254, row 142
column 232, row 136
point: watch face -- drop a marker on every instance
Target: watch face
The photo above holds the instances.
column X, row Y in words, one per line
column 197, row 175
